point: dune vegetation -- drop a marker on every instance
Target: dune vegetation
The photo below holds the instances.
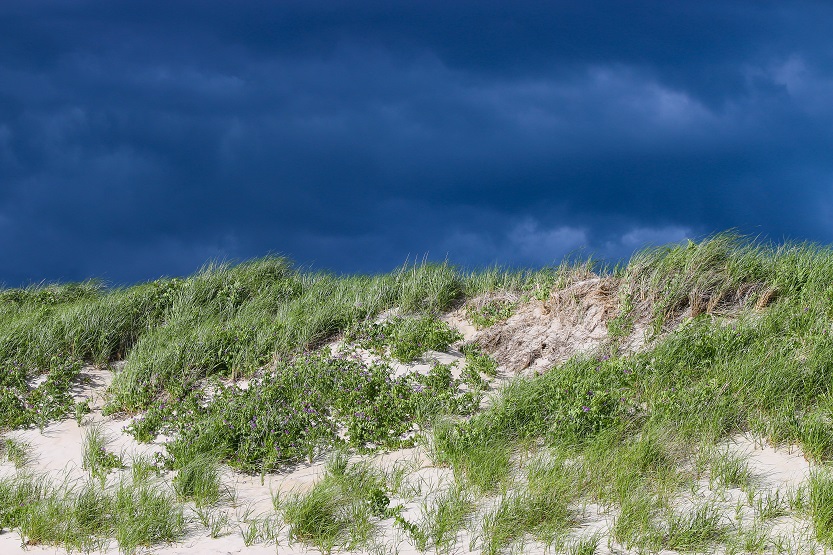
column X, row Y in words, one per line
column 237, row 367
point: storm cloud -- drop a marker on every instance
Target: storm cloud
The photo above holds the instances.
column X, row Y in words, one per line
column 140, row 139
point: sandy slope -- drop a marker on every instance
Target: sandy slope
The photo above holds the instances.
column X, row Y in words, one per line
column 57, row 451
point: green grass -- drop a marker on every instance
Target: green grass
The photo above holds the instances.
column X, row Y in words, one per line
column 16, row 452
column 546, row 515
column 751, row 539
column 145, row 515
column 630, row 417
column 480, row 461
column 406, row 339
column 216, row 521
column 695, row 530
column 85, row 516
column 730, row 470
column 741, row 342
column 821, row 505
column 443, row 518
column 341, row 510
column 198, row 480
column 583, row 546
column 769, row 505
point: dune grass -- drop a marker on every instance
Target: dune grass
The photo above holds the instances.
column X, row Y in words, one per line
column 85, row 516
column 16, row 452
column 741, row 339
column 341, row 510
column 633, row 424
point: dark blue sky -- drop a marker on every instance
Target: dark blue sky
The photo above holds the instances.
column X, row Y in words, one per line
column 140, row 139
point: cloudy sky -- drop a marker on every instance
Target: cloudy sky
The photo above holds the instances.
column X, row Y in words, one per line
column 143, row 138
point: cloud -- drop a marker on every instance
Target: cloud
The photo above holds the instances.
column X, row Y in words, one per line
column 543, row 246
column 523, row 243
column 354, row 135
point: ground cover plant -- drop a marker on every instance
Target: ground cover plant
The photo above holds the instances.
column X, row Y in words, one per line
column 406, row 339
column 303, row 408
column 234, row 365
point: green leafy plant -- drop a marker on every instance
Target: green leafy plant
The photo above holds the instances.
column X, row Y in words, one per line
column 96, row 458
column 307, row 406
column 489, row 313
column 406, row 338
column 81, row 409
column 479, row 362
column 16, row 452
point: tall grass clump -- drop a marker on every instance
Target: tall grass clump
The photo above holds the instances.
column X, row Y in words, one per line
column 443, row 518
column 145, row 515
column 198, row 480
column 821, row 505
column 84, row 516
column 477, row 459
column 541, row 507
column 342, row 510
column 703, row 277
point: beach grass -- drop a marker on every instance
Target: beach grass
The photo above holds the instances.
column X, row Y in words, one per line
column 235, row 365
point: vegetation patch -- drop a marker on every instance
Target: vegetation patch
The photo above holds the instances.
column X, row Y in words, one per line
column 491, row 309
column 305, row 407
column 85, row 516
column 405, row 339
column 96, row 458
column 341, row 510
column 736, row 338
column 22, row 405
